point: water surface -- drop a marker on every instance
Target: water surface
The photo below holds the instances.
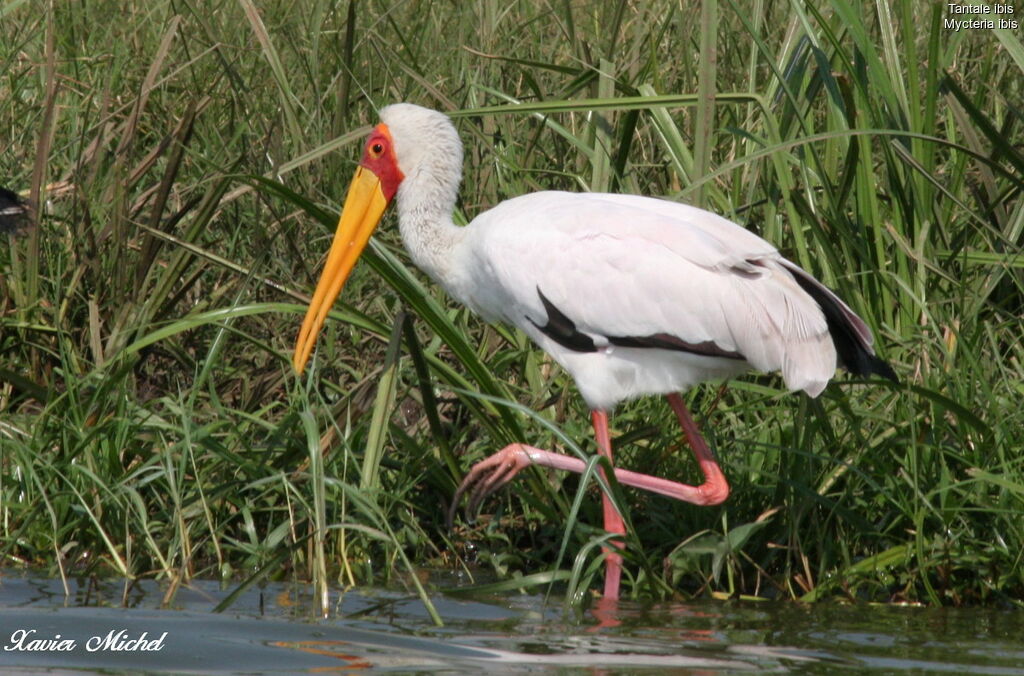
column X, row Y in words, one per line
column 276, row 630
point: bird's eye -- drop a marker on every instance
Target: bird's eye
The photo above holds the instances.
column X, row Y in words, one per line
column 377, row 148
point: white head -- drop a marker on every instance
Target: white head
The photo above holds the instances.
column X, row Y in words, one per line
column 428, row 151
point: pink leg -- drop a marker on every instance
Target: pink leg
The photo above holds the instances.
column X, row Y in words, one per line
column 492, row 473
column 612, row 519
column 715, row 488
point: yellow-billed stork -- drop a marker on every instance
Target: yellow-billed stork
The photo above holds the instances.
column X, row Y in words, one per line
column 631, row 295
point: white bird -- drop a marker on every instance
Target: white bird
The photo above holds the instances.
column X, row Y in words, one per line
column 631, row 295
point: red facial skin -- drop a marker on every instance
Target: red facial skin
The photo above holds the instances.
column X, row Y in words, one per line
column 379, row 157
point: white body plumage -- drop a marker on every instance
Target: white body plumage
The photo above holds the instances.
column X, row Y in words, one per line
column 631, row 295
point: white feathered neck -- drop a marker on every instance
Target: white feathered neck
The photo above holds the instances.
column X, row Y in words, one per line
column 429, row 154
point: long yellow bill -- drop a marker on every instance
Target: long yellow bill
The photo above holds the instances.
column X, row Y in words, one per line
column 361, row 213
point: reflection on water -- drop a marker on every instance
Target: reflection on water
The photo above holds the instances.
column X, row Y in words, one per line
column 275, row 630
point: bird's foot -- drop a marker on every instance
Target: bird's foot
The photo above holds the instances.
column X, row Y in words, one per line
column 489, row 475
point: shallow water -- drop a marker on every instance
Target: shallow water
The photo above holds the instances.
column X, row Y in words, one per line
column 274, row 630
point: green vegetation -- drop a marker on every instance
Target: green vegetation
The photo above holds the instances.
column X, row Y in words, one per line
column 187, row 159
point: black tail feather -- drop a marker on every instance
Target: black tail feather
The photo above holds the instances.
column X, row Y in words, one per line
column 854, row 351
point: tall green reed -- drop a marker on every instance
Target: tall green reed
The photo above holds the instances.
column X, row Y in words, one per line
column 185, row 175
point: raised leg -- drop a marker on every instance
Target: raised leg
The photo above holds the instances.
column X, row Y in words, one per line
column 715, row 488
column 492, row 473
